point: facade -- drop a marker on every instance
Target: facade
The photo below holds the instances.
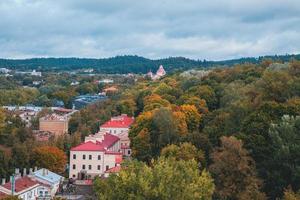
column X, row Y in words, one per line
column 117, row 125
column 54, row 123
column 125, row 144
column 97, row 154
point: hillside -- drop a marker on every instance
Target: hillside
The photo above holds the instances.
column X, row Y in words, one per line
column 127, row 64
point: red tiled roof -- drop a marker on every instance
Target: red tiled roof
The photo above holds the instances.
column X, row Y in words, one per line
column 3, row 195
column 114, row 169
column 122, row 121
column 88, row 146
column 108, row 141
column 21, row 184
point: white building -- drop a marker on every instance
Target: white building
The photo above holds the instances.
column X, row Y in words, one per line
column 106, row 81
column 39, row 184
column 97, row 154
column 35, row 73
column 50, row 180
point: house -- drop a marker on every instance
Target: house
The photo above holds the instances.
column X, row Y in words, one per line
column 114, row 170
column 54, row 123
column 49, row 180
column 94, row 156
column 35, row 73
column 111, row 89
column 38, row 184
column 117, row 125
column 24, row 187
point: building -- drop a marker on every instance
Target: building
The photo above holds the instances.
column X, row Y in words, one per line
column 54, row 123
column 35, row 73
column 83, row 100
column 97, row 154
column 114, row 170
column 24, row 187
column 4, row 70
column 38, row 184
column 106, row 81
column 159, row 73
column 111, row 89
column 125, row 144
column 117, row 125
column 50, row 182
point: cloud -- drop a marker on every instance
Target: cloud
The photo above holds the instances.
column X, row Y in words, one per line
column 216, row 29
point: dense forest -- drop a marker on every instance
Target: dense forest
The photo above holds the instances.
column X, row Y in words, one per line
column 232, row 133
column 128, row 64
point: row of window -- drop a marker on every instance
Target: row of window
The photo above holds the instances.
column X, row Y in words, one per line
column 89, row 167
column 84, row 157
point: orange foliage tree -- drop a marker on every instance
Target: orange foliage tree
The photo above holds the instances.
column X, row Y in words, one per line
column 49, row 157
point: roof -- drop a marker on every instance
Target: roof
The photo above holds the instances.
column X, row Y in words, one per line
column 50, row 177
column 114, row 169
column 107, row 142
column 122, row 121
column 3, row 195
column 21, row 184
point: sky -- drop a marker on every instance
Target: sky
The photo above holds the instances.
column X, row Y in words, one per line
column 197, row 29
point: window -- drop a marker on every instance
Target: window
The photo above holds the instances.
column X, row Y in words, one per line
column 83, row 157
column 107, row 167
column 83, row 166
column 99, row 157
column 109, row 131
column 90, row 157
column 74, row 166
column 90, row 167
column 99, row 167
column 74, row 156
column 129, row 152
column 115, row 131
column 121, row 131
column 74, row 175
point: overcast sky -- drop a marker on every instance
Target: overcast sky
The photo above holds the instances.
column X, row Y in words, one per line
column 198, row 29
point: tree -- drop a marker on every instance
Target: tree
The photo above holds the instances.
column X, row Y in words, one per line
column 2, row 120
column 185, row 151
column 289, row 194
column 234, row 171
column 49, row 157
column 164, row 179
column 192, row 117
column 284, row 161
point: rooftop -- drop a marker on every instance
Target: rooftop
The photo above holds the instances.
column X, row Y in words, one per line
column 21, row 184
column 47, row 175
column 122, row 121
column 107, row 142
column 114, row 169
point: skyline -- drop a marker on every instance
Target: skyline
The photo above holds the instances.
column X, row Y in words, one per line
column 215, row 30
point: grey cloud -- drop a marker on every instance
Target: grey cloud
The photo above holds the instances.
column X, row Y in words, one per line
column 216, row 29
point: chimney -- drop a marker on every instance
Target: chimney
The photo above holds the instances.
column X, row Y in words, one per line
column 43, row 171
column 35, row 169
column 30, row 171
column 24, row 172
column 3, row 181
column 17, row 171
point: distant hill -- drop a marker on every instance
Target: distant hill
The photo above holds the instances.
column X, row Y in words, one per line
column 127, row 64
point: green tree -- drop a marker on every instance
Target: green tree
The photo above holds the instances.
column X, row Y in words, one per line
column 165, row 179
